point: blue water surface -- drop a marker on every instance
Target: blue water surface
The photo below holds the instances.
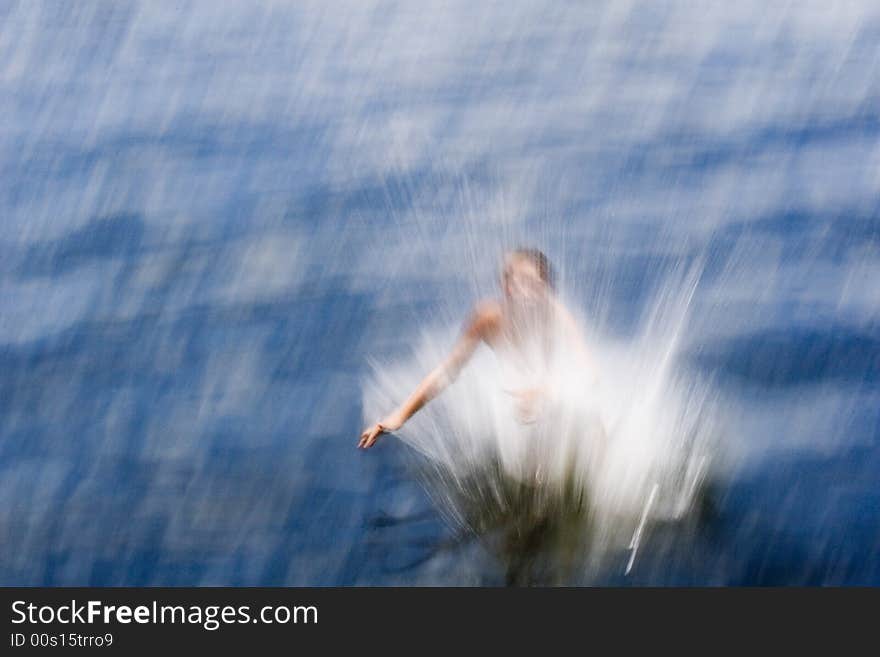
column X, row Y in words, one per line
column 212, row 216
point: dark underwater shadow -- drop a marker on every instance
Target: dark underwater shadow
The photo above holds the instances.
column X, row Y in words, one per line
column 540, row 535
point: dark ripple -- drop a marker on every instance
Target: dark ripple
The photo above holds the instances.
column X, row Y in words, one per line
column 777, row 359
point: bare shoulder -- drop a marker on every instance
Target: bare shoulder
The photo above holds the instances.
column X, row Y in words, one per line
column 486, row 318
column 569, row 322
column 564, row 314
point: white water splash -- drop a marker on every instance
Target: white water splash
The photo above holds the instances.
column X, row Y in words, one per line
column 631, row 445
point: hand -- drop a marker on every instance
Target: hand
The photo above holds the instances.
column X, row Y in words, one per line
column 528, row 403
column 371, row 434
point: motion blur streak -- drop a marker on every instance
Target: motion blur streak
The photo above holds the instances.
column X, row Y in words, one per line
column 213, row 219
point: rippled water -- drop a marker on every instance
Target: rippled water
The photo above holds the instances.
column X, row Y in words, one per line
column 213, row 220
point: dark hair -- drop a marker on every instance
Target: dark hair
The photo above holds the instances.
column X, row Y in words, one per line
column 541, row 263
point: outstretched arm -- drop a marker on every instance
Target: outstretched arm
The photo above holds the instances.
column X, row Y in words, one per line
column 477, row 328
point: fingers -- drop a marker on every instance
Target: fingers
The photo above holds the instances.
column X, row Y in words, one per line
column 373, row 436
column 527, row 416
column 369, row 436
column 363, row 440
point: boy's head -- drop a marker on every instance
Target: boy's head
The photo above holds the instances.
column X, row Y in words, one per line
column 527, row 276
